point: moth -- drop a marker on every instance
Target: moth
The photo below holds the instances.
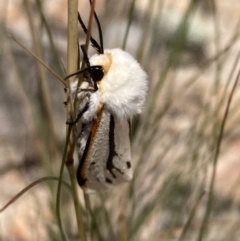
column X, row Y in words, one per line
column 113, row 91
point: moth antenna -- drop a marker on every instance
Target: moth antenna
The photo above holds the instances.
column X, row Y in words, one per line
column 99, row 30
column 85, row 55
column 92, row 40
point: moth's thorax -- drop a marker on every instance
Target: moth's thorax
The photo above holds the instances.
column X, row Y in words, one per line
column 124, row 85
column 116, row 65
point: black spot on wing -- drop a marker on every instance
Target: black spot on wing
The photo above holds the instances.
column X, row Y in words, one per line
column 128, row 164
column 108, row 180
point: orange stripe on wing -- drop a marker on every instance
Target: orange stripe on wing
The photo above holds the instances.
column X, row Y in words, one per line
column 94, row 131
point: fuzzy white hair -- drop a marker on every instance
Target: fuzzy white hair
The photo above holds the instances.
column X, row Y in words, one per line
column 124, row 86
column 122, row 89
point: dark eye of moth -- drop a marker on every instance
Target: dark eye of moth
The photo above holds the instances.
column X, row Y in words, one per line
column 97, row 74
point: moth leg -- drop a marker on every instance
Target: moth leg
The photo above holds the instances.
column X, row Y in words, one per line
column 79, row 115
column 88, row 89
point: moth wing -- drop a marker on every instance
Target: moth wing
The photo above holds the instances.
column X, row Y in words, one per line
column 122, row 158
column 106, row 160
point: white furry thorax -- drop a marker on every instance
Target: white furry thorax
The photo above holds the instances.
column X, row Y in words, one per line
column 123, row 88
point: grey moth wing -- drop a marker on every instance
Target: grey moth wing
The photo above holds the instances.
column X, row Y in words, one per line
column 106, row 158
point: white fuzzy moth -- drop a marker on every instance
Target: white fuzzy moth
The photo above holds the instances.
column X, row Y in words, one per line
column 113, row 91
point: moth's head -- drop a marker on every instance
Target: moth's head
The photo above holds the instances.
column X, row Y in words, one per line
column 100, row 63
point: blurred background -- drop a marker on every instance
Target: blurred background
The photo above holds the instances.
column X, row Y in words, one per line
column 183, row 189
